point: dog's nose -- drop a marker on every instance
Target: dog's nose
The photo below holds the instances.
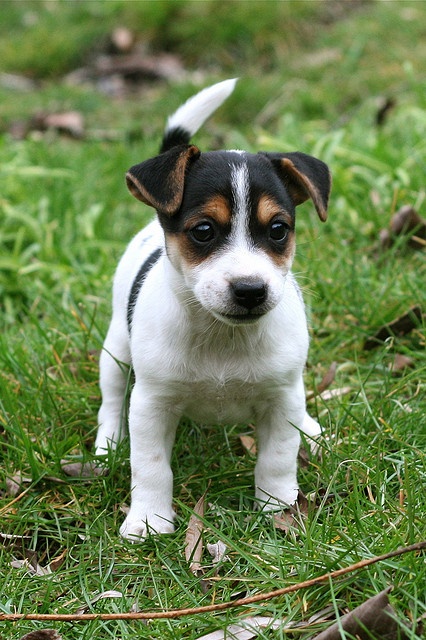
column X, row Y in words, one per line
column 249, row 294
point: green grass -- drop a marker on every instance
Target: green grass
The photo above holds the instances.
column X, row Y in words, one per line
column 308, row 82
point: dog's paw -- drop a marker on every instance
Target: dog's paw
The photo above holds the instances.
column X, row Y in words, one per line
column 276, row 500
column 136, row 530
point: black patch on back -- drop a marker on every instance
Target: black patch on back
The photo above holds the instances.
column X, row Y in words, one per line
column 138, row 282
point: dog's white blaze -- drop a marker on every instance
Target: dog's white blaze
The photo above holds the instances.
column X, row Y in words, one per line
column 241, row 192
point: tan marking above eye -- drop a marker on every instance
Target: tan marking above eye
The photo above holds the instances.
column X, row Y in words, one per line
column 268, row 208
column 218, row 209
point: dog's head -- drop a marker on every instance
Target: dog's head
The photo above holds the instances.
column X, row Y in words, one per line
column 228, row 219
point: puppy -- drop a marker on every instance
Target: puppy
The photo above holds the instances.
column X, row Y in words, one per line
column 207, row 312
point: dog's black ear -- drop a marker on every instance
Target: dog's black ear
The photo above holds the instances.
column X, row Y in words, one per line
column 304, row 177
column 159, row 182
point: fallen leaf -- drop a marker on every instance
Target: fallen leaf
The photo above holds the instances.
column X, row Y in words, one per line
column 420, row 627
column 291, row 518
column 12, row 538
column 83, row 469
column 326, row 381
column 27, row 559
column 30, row 561
column 400, row 363
column 42, row 634
column 217, row 551
column 14, row 484
column 137, row 66
column 398, row 327
column 100, row 596
column 329, row 394
column 249, row 443
column 247, row 629
column 122, row 40
column 303, row 458
column 406, row 221
column 383, row 111
column 193, row 537
column 58, row 561
column 17, row 82
column 70, row 123
column 31, row 565
column 374, row 617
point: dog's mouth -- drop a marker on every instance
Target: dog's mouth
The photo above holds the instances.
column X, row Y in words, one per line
column 240, row 318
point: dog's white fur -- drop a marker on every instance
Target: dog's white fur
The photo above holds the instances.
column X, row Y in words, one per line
column 189, row 359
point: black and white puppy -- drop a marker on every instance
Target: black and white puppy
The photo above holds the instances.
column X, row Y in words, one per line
column 207, row 312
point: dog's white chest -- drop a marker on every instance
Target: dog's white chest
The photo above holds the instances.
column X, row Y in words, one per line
column 233, row 402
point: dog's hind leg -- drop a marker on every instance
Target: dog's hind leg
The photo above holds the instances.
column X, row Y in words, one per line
column 114, row 376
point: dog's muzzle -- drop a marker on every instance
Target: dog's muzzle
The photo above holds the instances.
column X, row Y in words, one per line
column 249, row 294
column 248, row 301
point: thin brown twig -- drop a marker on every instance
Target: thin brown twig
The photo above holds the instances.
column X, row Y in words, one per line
column 220, row 606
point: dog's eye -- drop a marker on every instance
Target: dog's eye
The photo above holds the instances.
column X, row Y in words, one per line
column 278, row 231
column 203, row 232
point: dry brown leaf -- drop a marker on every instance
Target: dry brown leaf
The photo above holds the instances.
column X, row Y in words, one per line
column 82, row 469
column 375, row 617
column 30, row 558
column 27, row 559
column 303, row 458
column 14, row 484
column 217, row 551
column 70, row 123
column 406, row 221
column 387, row 104
column 398, row 327
column 122, row 40
column 193, row 537
column 57, row 562
column 137, row 67
column 42, row 634
column 30, row 563
column 292, row 517
column 249, row 443
column 400, row 363
column 329, row 394
column 326, row 381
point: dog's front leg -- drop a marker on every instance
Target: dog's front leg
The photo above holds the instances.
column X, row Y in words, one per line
column 152, row 428
column 278, row 446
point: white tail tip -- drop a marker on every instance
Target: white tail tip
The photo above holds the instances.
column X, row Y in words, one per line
column 195, row 111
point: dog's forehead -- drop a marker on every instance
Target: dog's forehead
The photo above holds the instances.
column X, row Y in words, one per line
column 242, row 195
column 238, row 176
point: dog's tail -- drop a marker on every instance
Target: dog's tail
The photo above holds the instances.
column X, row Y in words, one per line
column 190, row 116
